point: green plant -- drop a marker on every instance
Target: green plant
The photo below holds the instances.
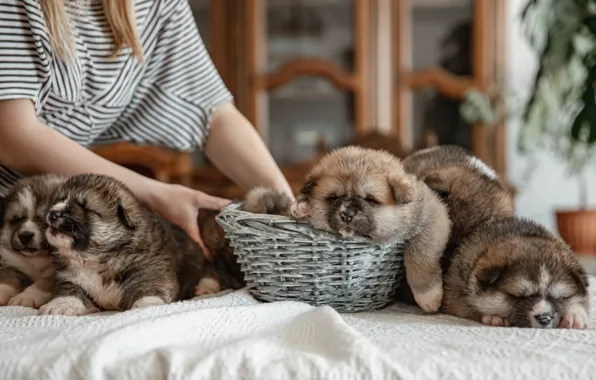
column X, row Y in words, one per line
column 560, row 114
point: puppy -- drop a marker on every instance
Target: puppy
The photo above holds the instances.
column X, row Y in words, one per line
column 355, row 191
column 470, row 188
column 512, row 271
column 113, row 253
column 26, row 272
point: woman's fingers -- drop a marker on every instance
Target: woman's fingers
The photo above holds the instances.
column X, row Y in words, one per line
column 212, row 203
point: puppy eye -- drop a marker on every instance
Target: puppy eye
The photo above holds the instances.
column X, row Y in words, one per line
column 17, row 219
column 371, row 199
column 524, row 296
column 561, row 297
column 333, row 197
column 443, row 193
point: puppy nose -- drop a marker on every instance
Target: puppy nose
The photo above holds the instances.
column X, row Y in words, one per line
column 544, row 318
column 54, row 215
column 26, row 236
column 347, row 215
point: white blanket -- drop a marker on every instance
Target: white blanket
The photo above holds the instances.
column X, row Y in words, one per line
column 235, row 337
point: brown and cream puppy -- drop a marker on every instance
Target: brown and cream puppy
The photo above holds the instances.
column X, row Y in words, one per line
column 512, row 271
column 356, row 191
column 113, row 253
column 470, row 188
column 26, row 263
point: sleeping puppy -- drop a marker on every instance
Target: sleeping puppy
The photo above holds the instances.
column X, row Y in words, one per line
column 113, row 253
column 355, row 191
column 26, row 271
column 470, row 188
column 512, row 271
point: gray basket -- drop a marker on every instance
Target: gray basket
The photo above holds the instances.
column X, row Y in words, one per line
column 287, row 260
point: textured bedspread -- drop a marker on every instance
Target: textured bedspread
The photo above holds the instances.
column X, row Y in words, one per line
column 235, row 337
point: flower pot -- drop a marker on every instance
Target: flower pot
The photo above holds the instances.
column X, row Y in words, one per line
column 578, row 229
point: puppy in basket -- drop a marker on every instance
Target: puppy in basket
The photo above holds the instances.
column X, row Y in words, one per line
column 113, row 253
column 356, row 191
column 26, row 272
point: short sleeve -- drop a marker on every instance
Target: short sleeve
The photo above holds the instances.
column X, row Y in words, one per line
column 24, row 64
column 180, row 88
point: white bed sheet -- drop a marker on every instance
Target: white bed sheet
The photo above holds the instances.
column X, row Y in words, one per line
column 235, row 337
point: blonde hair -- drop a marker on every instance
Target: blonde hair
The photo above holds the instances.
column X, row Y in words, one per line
column 120, row 15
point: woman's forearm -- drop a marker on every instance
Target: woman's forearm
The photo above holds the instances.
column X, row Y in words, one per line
column 235, row 148
column 30, row 147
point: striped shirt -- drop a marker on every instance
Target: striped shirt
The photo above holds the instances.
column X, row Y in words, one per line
column 166, row 101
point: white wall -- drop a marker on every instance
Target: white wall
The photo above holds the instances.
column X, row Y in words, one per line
column 547, row 187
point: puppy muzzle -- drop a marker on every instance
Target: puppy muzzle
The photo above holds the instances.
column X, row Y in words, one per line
column 25, row 242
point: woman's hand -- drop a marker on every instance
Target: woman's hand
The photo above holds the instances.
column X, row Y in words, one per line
column 181, row 205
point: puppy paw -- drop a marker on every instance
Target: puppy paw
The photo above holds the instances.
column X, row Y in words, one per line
column 576, row 317
column 430, row 300
column 64, row 306
column 31, row 297
column 207, row 286
column 299, row 210
column 6, row 293
column 147, row 302
column 493, row 320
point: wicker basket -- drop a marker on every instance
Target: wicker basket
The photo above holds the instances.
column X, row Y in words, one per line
column 287, row 260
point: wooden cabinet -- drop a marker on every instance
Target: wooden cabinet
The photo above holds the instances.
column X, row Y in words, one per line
column 314, row 74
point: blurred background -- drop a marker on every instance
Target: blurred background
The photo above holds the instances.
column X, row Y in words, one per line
column 312, row 75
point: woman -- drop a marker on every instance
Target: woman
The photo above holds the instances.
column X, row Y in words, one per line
column 80, row 72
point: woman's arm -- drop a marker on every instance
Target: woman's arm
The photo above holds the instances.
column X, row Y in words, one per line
column 235, row 148
column 30, row 147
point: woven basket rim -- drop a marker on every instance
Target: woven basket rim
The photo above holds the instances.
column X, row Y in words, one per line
column 234, row 210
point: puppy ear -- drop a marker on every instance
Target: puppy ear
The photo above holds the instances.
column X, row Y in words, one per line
column 402, row 189
column 490, row 275
column 439, row 181
column 309, row 186
column 125, row 217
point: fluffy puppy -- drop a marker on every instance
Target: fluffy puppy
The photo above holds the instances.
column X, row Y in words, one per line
column 113, row 253
column 355, row 191
column 26, row 272
column 470, row 188
column 512, row 271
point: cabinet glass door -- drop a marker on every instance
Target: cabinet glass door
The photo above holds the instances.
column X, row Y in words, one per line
column 441, row 38
column 303, row 113
column 302, row 37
